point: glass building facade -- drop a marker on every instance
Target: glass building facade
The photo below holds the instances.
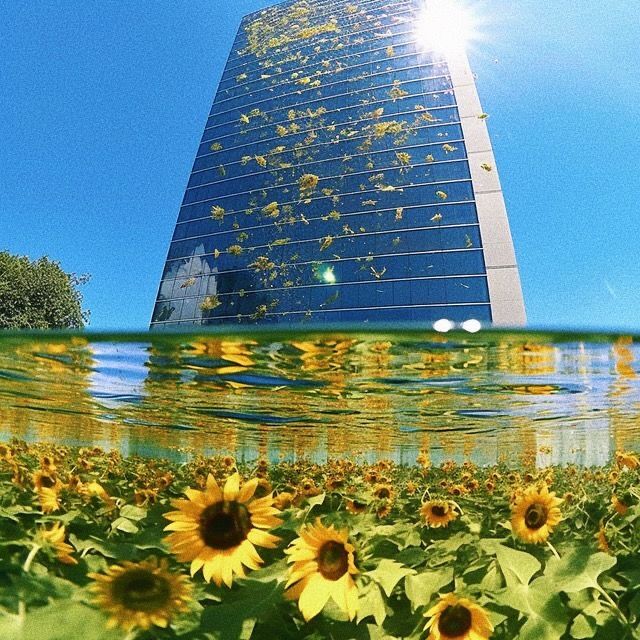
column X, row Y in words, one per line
column 334, row 182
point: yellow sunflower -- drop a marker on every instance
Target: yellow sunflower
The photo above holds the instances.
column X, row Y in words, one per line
column 5, row 452
column 619, row 505
column 383, row 491
column 284, row 500
column 139, row 595
column 627, row 459
column 535, row 513
column 48, row 499
column 456, row 618
column 323, row 565
column 53, row 540
column 217, row 529
column 438, row 513
column 46, row 480
column 355, row 507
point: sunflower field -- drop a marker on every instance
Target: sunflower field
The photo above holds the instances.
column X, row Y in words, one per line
column 97, row 546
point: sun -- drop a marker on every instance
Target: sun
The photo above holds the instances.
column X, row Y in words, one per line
column 445, row 26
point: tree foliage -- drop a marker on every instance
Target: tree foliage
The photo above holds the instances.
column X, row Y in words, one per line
column 39, row 294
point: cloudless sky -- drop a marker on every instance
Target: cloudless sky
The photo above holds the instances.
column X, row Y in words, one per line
column 103, row 104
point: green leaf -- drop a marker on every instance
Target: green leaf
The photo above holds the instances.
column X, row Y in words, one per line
column 236, row 616
column 389, row 573
column 377, row 633
column 122, row 524
column 10, row 627
column 63, row 620
column 547, row 617
column 421, row 588
column 132, row 512
column 583, row 627
column 518, row 567
column 492, row 579
column 578, row 569
column 119, row 550
column 371, row 603
column 316, row 501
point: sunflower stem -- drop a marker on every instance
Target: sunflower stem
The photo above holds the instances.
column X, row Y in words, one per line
column 553, row 550
column 22, row 606
column 615, row 608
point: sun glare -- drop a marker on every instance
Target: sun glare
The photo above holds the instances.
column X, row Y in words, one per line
column 445, row 25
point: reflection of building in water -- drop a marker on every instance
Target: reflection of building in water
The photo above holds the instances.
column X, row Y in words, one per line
column 345, row 174
column 325, row 397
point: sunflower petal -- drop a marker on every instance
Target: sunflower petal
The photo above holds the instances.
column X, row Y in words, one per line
column 232, row 487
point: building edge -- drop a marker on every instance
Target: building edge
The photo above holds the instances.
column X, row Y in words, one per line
column 503, row 278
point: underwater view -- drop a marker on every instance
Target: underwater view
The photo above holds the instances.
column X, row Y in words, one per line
column 315, row 484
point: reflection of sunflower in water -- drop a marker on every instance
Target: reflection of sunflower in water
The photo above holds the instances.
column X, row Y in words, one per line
column 138, row 595
column 323, row 565
column 456, row 618
column 217, row 529
column 534, row 514
column 438, row 513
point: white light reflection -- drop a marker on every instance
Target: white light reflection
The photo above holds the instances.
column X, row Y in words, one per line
column 472, row 325
column 328, row 275
column 447, row 26
column 443, row 325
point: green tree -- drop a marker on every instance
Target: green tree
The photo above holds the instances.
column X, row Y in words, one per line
column 39, row 295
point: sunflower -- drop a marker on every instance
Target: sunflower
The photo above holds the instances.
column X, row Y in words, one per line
column 457, row 490
column 96, row 489
column 217, row 529
column 456, row 618
column 53, row 540
column 534, row 514
column 627, row 459
column 48, row 499
column 284, row 500
column 619, row 505
column 308, row 487
column 323, row 565
column 438, row 513
column 5, row 452
column 140, row 594
column 355, row 507
column 46, row 480
column 383, row 491
column 601, row 537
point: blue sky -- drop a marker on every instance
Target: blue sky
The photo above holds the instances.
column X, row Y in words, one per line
column 104, row 104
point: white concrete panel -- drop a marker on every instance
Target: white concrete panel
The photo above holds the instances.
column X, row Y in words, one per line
column 468, row 102
column 505, row 292
column 483, row 179
column 499, row 254
column 475, row 134
column 507, row 307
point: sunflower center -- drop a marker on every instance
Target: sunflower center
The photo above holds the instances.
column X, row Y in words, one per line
column 454, row 621
column 383, row 492
column 224, row 524
column 438, row 510
column 47, row 482
column 141, row 590
column 333, row 560
column 535, row 516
